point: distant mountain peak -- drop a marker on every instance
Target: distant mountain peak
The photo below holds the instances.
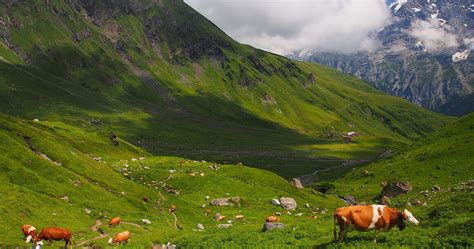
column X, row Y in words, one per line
column 397, row 4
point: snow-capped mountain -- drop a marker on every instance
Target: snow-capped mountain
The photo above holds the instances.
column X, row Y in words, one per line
column 426, row 55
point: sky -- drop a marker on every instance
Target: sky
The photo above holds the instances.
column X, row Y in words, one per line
column 282, row 26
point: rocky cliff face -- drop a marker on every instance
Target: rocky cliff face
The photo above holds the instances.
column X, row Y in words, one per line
column 425, row 55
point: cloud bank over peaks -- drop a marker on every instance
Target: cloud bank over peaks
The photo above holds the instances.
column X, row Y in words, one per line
column 282, row 26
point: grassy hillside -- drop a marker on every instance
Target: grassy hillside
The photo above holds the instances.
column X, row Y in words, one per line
column 162, row 76
column 37, row 188
column 444, row 160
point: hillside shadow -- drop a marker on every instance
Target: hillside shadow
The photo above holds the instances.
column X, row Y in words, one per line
column 203, row 127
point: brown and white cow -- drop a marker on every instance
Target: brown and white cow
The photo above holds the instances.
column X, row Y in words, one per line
column 29, row 231
column 373, row 217
column 55, row 233
column 114, row 222
column 272, row 219
column 120, row 238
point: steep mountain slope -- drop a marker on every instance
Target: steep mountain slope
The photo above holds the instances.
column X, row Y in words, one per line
column 162, row 76
column 424, row 55
column 439, row 168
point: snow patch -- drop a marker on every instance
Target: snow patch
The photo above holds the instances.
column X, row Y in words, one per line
column 461, row 56
column 416, row 9
column 397, row 4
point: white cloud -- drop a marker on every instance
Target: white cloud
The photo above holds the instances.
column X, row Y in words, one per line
column 285, row 25
column 469, row 42
column 434, row 35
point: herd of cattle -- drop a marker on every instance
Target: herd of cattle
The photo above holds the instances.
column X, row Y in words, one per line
column 363, row 218
column 63, row 234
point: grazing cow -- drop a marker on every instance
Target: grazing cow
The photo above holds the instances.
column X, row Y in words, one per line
column 55, row 233
column 364, row 218
column 272, row 219
column 172, row 208
column 146, row 198
column 239, row 217
column 208, row 212
column 220, row 218
column 29, row 231
column 120, row 238
column 114, row 222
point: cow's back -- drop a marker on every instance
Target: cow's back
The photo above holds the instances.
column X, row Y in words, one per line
column 55, row 233
column 358, row 216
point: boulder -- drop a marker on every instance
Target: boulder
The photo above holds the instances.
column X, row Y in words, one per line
column 418, row 202
column 146, row 221
column 167, row 246
column 276, row 202
column 224, row 225
column 395, row 189
column 349, row 200
column 268, row 226
column 230, row 201
column 95, row 121
column 172, row 191
column 288, row 203
column 297, row 183
column 200, row 226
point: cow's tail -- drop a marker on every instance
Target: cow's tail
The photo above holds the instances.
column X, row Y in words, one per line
column 335, row 223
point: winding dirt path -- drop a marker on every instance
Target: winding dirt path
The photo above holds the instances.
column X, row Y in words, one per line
column 313, row 177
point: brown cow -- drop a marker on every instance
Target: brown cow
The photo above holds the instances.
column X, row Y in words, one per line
column 364, row 218
column 272, row 219
column 114, row 222
column 120, row 238
column 29, row 231
column 55, row 233
column 172, row 208
column 146, row 198
column 208, row 212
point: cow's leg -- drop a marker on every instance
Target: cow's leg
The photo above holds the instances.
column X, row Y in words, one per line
column 375, row 235
column 342, row 234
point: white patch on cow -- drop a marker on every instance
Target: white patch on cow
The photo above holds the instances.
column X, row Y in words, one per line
column 111, row 241
column 375, row 215
column 410, row 217
column 28, row 239
column 31, row 229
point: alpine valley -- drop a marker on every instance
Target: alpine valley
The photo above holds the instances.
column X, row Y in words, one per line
column 147, row 111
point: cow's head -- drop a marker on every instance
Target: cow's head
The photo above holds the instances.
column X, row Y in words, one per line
column 111, row 241
column 401, row 221
column 39, row 244
column 409, row 217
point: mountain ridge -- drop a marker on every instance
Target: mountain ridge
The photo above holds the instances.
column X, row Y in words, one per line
column 409, row 64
